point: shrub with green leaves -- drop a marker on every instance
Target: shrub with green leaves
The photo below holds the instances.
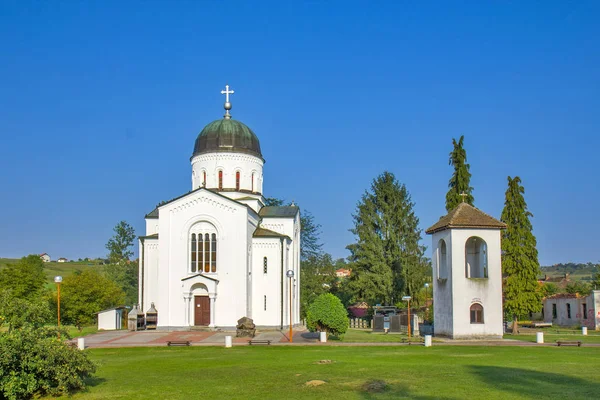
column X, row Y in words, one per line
column 327, row 314
column 33, row 361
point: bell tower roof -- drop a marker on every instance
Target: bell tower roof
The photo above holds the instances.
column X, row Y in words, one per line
column 466, row 216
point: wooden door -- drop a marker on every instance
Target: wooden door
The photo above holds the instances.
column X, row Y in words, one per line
column 201, row 310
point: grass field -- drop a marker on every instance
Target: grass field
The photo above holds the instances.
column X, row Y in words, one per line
column 281, row 372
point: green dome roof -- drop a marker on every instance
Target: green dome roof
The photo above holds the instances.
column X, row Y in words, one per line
column 227, row 135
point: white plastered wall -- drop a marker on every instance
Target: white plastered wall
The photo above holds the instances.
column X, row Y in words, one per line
column 442, row 288
column 453, row 298
column 176, row 219
column 229, row 163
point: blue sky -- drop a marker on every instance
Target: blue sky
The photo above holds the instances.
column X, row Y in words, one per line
column 100, row 104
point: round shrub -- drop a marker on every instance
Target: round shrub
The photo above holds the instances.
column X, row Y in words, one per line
column 327, row 314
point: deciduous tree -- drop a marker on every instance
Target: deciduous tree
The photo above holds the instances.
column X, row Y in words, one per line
column 86, row 293
column 122, row 270
column 16, row 312
column 520, row 265
column 317, row 276
column 25, row 278
column 310, row 231
column 119, row 246
column 461, row 178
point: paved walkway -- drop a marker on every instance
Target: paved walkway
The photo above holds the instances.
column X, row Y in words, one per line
column 107, row 339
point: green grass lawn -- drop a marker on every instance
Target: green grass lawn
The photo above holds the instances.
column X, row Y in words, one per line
column 551, row 337
column 281, row 372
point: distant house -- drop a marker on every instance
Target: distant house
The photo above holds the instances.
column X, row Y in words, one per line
column 565, row 309
column 45, row 257
column 343, row 272
column 359, row 310
column 62, row 259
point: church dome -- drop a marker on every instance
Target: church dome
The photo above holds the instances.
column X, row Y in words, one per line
column 227, row 135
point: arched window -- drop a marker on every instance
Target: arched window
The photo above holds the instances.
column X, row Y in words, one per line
column 213, row 257
column 476, row 258
column 203, row 178
column 200, row 252
column 207, row 253
column 194, row 255
column 237, row 180
column 442, row 260
column 203, row 249
column 220, row 180
column 476, row 313
column 265, row 265
column 253, row 181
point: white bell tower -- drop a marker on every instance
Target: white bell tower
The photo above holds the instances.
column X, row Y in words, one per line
column 467, row 274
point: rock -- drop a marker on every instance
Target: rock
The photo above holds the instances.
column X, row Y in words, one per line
column 314, row 383
column 324, row 362
column 245, row 328
column 245, row 323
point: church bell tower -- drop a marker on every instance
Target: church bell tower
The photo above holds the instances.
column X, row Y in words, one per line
column 467, row 274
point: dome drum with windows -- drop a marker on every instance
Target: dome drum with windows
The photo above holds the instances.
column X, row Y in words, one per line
column 227, row 156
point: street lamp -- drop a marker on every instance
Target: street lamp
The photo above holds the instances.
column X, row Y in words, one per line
column 426, row 299
column 290, row 275
column 407, row 299
column 58, row 280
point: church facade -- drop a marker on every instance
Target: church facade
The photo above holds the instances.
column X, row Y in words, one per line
column 218, row 253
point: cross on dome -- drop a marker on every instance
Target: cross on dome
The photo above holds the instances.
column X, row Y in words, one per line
column 463, row 195
column 227, row 105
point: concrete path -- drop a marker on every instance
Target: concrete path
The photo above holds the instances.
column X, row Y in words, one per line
column 107, row 339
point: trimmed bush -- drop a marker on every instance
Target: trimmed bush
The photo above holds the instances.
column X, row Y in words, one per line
column 327, row 314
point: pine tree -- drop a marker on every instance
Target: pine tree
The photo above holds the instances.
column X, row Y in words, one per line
column 520, row 265
column 461, row 178
column 387, row 259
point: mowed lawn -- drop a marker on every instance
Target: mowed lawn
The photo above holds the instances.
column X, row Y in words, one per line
column 281, row 372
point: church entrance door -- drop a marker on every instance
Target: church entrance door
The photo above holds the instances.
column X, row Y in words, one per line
column 201, row 311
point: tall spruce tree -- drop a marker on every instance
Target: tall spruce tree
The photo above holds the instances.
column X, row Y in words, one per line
column 520, row 265
column 461, row 178
column 387, row 260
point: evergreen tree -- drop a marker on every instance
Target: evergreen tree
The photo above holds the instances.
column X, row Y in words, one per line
column 387, row 260
column 461, row 178
column 520, row 265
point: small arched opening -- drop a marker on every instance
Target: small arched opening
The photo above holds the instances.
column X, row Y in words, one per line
column 476, row 313
column 442, row 260
column 476, row 258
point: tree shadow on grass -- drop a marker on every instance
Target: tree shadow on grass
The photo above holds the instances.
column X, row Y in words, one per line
column 393, row 391
column 535, row 384
column 92, row 381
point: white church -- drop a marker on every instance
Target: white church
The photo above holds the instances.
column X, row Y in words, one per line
column 217, row 253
